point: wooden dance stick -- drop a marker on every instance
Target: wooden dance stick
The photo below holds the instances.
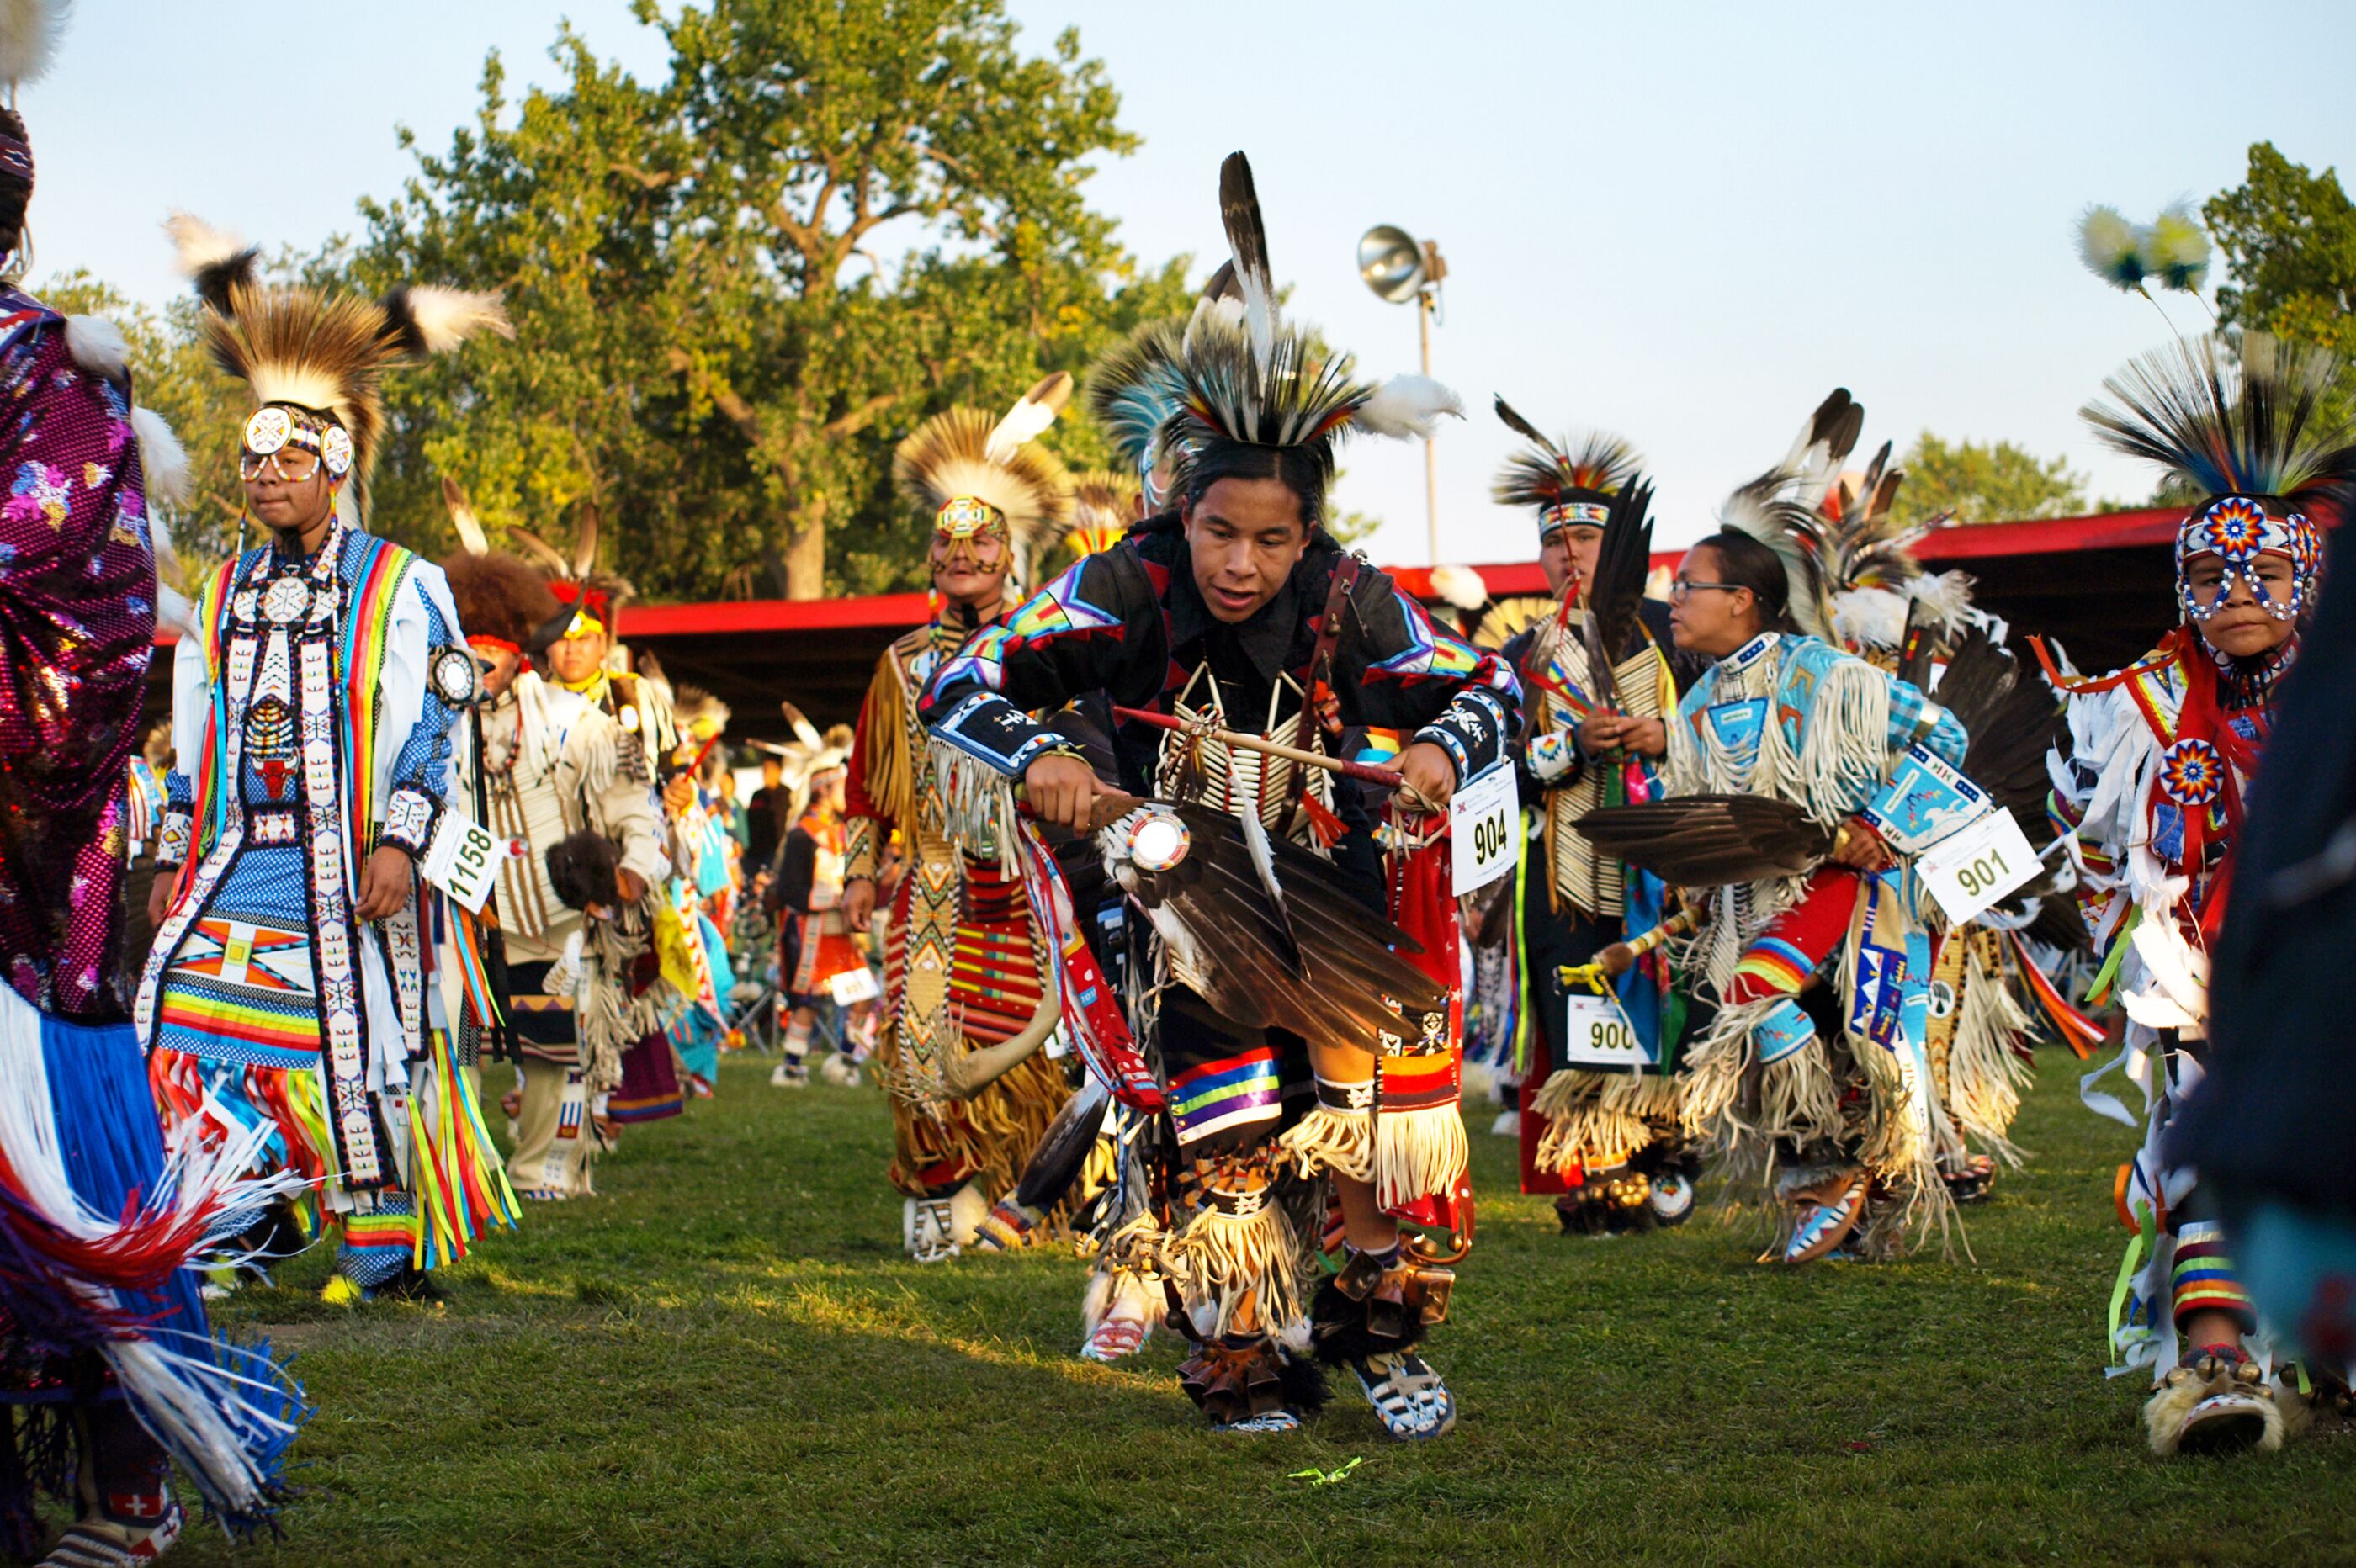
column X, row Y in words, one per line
column 1620, row 956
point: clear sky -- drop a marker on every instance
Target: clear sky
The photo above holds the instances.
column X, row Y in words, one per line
column 1682, row 222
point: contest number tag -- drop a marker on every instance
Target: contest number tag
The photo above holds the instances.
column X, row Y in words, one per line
column 1600, row 1035
column 1970, row 870
column 1480, row 819
column 462, row 861
column 854, row 987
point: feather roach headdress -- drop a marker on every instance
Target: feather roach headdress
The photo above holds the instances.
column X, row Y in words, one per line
column 976, row 474
column 807, row 755
column 1781, row 508
column 1103, row 504
column 1244, row 377
column 500, row 599
column 1569, row 480
column 2251, row 427
column 590, row 599
column 315, row 363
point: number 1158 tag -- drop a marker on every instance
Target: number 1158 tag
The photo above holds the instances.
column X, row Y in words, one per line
column 1482, row 819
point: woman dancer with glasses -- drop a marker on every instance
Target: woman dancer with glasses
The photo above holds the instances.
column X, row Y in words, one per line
column 1817, row 976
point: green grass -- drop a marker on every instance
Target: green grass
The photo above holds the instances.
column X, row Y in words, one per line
column 726, row 1359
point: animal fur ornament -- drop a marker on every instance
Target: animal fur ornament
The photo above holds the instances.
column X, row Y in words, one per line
column 324, row 357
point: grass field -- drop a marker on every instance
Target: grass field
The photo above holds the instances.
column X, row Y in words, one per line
column 726, row 1359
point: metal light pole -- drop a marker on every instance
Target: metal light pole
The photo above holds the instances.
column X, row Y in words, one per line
column 1398, row 268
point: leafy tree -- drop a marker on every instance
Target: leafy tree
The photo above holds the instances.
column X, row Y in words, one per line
column 2288, row 238
column 713, row 348
column 1993, row 482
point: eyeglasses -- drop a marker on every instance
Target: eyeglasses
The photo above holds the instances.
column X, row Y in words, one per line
column 287, row 466
column 1680, row 588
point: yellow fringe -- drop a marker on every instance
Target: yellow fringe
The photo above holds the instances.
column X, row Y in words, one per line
column 990, row 1136
column 1583, row 1128
column 1418, row 1152
column 1327, row 1139
column 1984, row 1075
column 1232, row 1263
column 1798, row 1098
column 884, row 742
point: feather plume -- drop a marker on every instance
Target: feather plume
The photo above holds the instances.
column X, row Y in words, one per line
column 162, row 459
column 584, row 540
column 1408, row 408
column 1506, row 619
column 1864, row 546
column 541, row 551
column 1616, row 589
column 2256, row 419
column 1134, row 390
column 1029, row 418
column 29, row 30
column 2177, row 248
column 1232, row 945
column 214, row 259
column 1768, row 510
column 97, row 346
column 2012, row 724
column 1823, row 444
column 1247, row 243
column 804, row 730
column 1103, row 504
column 469, row 527
column 2112, row 247
column 1460, row 586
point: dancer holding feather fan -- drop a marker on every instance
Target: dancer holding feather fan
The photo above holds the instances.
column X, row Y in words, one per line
column 1599, row 1126
column 1785, row 715
column 1268, row 980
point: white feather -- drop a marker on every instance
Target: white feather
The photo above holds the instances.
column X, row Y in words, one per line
column 28, row 37
column 1259, row 318
column 1943, row 595
column 97, row 346
column 174, row 611
column 197, row 244
column 1875, row 617
column 166, row 464
column 447, row 317
column 1460, row 586
column 1407, row 407
column 1029, row 419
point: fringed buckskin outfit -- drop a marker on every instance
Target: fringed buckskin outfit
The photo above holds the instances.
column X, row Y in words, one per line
column 964, row 964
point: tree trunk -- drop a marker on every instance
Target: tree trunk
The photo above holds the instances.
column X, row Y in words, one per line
column 806, row 550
